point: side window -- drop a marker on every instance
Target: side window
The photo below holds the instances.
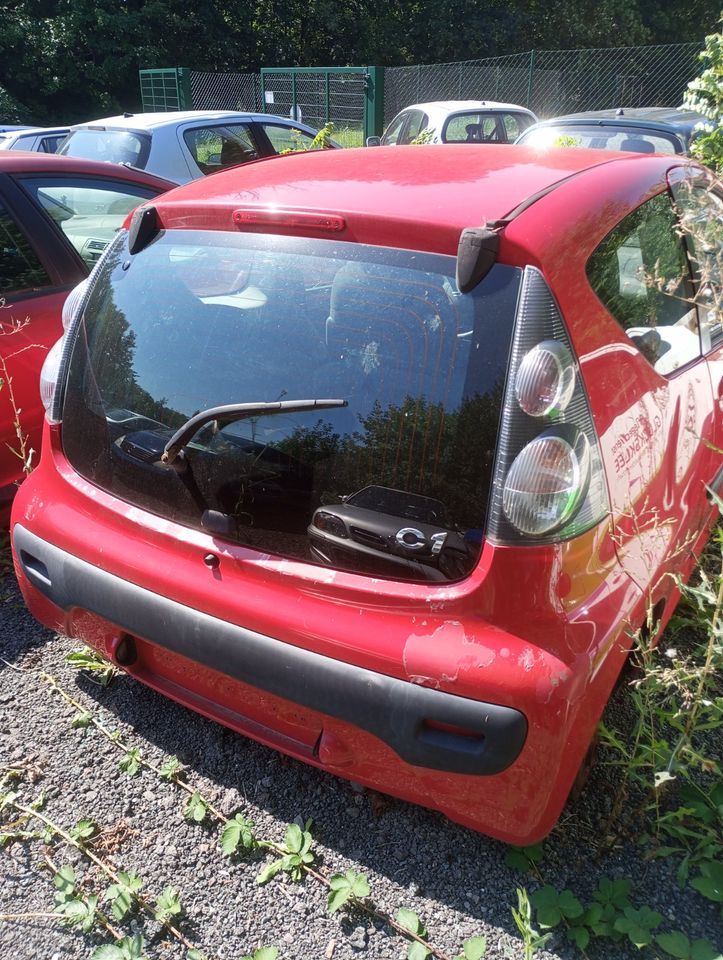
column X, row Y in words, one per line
column 214, row 148
column 51, row 144
column 89, row 212
column 641, row 274
column 514, row 125
column 285, row 139
column 417, row 123
column 394, row 129
column 701, row 220
column 20, row 269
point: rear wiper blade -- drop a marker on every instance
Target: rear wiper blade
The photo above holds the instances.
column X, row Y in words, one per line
column 239, row 411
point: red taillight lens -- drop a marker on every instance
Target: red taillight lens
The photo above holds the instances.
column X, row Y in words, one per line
column 289, row 219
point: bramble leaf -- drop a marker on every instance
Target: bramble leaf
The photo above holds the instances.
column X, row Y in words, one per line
column 170, row 769
column 131, row 762
column 237, row 833
column 168, row 904
column 344, row 886
column 196, row 808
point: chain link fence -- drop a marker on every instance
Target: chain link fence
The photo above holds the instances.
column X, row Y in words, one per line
column 319, row 96
column 549, row 82
column 553, row 82
column 226, row 91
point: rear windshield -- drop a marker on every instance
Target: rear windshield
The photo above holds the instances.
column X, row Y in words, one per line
column 392, row 479
column 114, row 146
column 632, row 139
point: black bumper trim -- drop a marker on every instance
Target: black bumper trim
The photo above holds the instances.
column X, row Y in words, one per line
column 410, row 718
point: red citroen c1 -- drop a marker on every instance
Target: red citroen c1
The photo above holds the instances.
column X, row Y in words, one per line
column 380, row 457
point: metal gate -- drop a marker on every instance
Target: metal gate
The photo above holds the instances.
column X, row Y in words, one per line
column 352, row 98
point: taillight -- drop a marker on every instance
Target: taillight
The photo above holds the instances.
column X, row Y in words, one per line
column 549, row 483
column 73, row 301
column 49, row 377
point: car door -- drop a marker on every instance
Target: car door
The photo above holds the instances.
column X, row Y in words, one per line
column 658, row 446
column 36, row 272
column 214, row 146
column 54, row 229
column 274, row 137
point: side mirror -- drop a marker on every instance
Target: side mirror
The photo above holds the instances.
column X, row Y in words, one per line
column 374, row 141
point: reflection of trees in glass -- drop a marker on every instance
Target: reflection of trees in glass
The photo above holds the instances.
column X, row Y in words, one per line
column 113, row 346
column 416, row 446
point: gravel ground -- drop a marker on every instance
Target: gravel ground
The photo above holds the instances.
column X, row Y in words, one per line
column 456, row 880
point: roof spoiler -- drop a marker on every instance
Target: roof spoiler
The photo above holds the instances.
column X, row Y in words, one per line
column 478, row 246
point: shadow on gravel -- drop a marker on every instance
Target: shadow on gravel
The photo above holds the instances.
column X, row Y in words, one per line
column 19, row 632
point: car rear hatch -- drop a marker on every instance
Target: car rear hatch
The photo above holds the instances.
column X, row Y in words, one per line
column 361, row 395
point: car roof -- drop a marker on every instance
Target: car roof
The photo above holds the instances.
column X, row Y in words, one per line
column 150, row 121
column 645, row 116
column 27, row 131
column 26, row 161
column 418, row 197
column 453, row 106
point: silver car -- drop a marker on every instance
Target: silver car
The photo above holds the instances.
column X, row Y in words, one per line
column 183, row 146
column 36, row 139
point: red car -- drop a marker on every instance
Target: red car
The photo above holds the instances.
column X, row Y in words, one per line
column 57, row 215
column 379, row 458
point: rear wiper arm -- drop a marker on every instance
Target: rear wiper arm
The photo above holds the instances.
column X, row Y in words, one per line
column 239, row 411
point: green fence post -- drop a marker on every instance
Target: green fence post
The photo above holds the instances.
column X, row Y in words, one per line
column 373, row 102
column 185, row 96
column 529, row 78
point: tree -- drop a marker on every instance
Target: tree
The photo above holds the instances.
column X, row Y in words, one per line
column 705, row 95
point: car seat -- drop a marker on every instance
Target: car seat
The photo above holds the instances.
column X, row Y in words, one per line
column 637, row 145
column 233, row 153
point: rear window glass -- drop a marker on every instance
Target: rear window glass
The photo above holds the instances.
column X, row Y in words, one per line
column 114, row 146
column 391, row 480
column 631, row 139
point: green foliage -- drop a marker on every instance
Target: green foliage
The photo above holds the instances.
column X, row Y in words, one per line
column 409, row 920
column 638, row 925
column 678, row 945
column 552, row 907
column 81, row 720
column 168, row 904
column 196, row 808
column 129, row 948
column 473, row 949
column 531, row 938
column 123, row 895
column 91, row 661
column 130, row 763
column 171, row 769
column 297, row 855
column 424, row 136
column 263, row 953
column 344, row 886
column 83, row 830
column 705, row 95
column 237, row 833
column 524, row 858
column 710, row 880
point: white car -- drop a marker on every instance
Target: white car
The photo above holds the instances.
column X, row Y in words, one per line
column 37, row 139
column 456, row 121
column 185, row 145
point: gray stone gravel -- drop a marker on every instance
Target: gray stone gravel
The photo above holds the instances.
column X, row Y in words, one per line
column 457, row 881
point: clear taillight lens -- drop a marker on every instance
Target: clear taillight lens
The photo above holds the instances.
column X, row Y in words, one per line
column 545, row 381
column 547, row 482
column 72, row 302
column 49, row 376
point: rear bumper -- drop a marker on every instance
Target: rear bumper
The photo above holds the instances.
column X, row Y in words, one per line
column 425, row 727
